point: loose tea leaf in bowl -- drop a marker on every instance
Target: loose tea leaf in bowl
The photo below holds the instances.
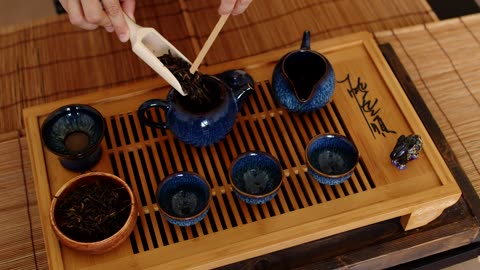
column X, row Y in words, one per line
column 93, row 211
column 201, row 96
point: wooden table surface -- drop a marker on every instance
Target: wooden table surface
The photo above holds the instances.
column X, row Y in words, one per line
column 441, row 60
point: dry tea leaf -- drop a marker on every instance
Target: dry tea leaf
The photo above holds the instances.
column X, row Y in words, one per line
column 93, row 211
column 199, row 97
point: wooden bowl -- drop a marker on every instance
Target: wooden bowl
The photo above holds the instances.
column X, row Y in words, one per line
column 127, row 215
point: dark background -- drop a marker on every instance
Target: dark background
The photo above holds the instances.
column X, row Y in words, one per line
column 453, row 8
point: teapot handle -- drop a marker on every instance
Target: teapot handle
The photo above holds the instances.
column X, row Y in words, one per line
column 305, row 41
column 152, row 103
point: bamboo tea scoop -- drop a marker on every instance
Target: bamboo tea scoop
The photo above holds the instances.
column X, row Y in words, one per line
column 213, row 35
column 148, row 44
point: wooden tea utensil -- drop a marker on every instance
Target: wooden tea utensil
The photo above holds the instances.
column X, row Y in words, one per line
column 148, row 44
column 213, row 35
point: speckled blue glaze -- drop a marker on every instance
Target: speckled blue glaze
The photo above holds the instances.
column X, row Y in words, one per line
column 331, row 158
column 69, row 119
column 184, row 198
column 256, row 177
column 82, row 164
column 202, row 129
column 307, row 65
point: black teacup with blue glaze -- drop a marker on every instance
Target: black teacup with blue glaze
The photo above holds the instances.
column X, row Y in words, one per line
column 331, row 158
column 74, row 133
column 184, row 198
column 303, row 80
column 256, row 177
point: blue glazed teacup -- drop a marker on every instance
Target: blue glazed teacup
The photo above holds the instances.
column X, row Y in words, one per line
column 256, row 177
column 202, row 124
column 184, row 198
column 74, row 133
column 303, row 80
column 331, row 158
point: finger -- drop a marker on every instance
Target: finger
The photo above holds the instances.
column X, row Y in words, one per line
column 240, row 6
column 109, row 28
column 64, row 4
column 94, row 14
column 226, row 7
column 129, row 7
column 76, row 16
column 115, row 13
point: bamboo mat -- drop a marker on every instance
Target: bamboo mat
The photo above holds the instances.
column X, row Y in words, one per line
column 21, row 242
column 443, row 59
column 50, row 60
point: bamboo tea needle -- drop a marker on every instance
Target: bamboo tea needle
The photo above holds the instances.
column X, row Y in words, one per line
column 213, row 35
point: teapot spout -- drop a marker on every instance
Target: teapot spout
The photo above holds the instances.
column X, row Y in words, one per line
column 240, row 82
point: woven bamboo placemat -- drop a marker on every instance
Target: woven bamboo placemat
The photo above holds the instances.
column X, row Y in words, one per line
column 442, row 60
column 22, row 245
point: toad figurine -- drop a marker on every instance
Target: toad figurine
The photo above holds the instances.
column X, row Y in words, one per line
column 407, row 148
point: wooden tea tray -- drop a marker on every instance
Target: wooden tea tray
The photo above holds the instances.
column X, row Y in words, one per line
column 373, row 117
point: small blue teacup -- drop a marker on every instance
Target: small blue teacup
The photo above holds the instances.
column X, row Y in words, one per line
column 184, row 198
column 256, row 177
column 331, row 158
column 74, row 133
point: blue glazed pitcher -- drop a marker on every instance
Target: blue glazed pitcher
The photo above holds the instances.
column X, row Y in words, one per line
column 202, row 125
column 303, row 80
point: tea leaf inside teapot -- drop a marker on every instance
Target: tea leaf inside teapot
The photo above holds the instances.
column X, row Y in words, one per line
column 199, row 95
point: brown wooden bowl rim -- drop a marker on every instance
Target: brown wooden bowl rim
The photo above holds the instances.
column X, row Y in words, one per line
column 105, row 244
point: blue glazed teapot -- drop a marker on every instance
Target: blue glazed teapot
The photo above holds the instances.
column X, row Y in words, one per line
column 303, row 80
column 202, row 124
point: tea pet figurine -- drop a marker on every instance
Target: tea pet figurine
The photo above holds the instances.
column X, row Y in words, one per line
column 202, row 124
column 407, row 148
column 303, row 80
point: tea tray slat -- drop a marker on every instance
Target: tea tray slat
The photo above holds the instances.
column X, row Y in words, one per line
column 369, row 106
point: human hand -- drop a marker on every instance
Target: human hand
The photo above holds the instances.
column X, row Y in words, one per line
column 233, row 7
column 90, row 14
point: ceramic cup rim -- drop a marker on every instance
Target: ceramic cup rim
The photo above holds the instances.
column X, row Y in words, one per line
column 59, row 111
column 331, row 135
column 127, row 227
column 174, row 175
column 252, row 153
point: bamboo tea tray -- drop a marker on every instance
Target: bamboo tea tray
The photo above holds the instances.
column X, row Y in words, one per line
column 369, row 106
